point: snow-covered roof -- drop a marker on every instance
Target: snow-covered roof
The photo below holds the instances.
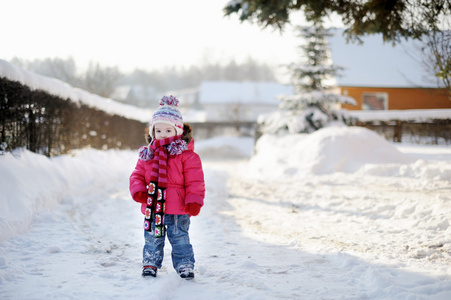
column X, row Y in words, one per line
column 220, row 92
column 65, row 91
column 378, row 64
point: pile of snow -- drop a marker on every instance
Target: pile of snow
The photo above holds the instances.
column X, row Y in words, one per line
column 65, row 91
column 329, row 150
column 31, row 182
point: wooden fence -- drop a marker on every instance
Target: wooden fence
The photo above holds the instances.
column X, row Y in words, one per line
column 436, row 131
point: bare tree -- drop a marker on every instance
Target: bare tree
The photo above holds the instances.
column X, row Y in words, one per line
column 97, row 79
column 437, row 59
column 63, row 69
column 101, row 80
column 435, row 55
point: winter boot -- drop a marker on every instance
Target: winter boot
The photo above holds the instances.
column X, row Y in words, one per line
column 149, row 271
column 186, row 273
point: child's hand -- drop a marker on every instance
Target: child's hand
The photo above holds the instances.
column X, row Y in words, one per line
column 193, row 209
column 141, row 197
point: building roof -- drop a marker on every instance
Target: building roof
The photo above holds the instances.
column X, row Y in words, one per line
column 378, row 64
column 220, row 92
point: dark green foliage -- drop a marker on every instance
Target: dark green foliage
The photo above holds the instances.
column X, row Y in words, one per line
column 394, row 19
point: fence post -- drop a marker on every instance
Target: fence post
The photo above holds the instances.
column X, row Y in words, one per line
column 397, row 137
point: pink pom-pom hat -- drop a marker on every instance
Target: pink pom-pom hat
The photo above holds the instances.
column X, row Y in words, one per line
column 167, row 113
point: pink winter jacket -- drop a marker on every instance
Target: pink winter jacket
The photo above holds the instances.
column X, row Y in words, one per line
column 185, row 181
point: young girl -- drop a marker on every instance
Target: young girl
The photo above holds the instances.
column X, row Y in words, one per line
column 168, row 181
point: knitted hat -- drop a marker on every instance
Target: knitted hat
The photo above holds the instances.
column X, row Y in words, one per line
column 167, row 113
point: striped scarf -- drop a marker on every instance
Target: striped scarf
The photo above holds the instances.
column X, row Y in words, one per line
column 156, row 190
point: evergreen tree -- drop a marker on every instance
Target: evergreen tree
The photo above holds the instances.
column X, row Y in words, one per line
column 313, row 104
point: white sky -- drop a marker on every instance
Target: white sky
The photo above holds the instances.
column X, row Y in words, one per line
column 148, row 34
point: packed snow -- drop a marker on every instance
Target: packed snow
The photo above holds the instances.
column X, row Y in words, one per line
column 337, row 214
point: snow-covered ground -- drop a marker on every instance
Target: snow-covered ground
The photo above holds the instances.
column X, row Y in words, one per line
column 337, row 214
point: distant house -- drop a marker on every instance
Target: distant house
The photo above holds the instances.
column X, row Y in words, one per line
column 380, row 76
column 239, row 101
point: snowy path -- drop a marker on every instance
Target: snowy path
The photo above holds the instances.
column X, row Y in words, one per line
column 346, row 236
column 327, row 237
column 90, row 248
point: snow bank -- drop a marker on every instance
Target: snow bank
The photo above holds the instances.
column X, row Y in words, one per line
column 65, row 91
column 329, row 150
column 32, row 182
column 24, row 192
column 420, row 169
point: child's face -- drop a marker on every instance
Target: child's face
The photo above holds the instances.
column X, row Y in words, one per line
column 163, row 131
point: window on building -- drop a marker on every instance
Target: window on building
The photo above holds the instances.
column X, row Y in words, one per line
column 375, row 101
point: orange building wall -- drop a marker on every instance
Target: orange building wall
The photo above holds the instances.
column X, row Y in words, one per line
column 401, row 98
